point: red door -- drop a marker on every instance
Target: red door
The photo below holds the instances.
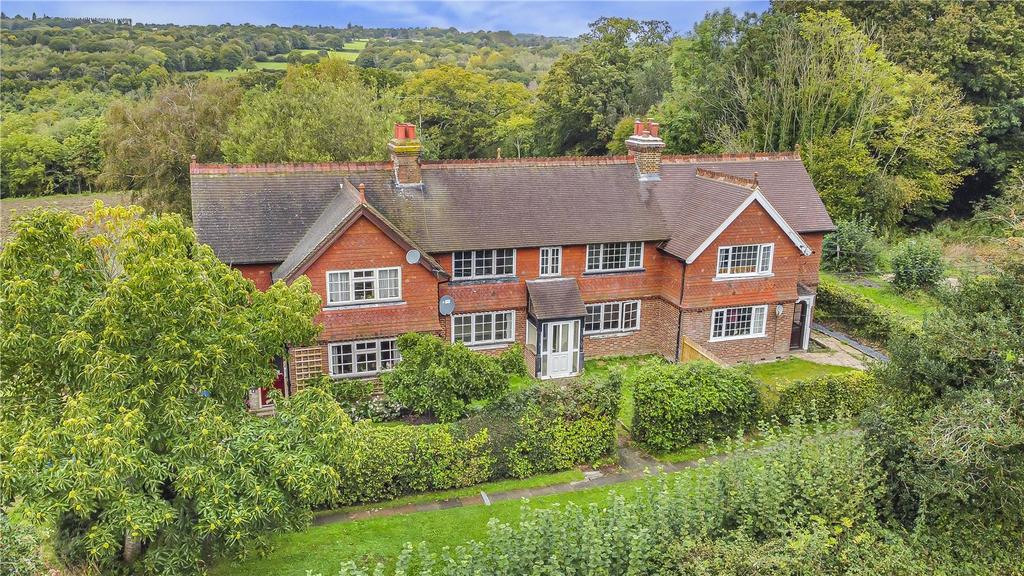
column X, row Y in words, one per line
column 278, row 383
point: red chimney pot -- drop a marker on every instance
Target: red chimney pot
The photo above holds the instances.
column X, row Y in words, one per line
column 653, row 128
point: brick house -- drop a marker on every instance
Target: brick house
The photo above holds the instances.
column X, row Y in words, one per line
column 572, row 257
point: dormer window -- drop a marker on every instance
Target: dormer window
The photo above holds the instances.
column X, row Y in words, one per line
column 471, row 264
column 745, row 261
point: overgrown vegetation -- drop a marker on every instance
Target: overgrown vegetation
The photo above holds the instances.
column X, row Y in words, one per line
column 443, row 379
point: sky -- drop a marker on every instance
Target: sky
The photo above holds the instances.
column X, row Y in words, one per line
column 564, row 18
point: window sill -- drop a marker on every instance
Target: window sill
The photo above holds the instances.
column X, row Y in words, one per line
column 379, row 304
column 371, row 376
column 489, row 280
column 602, row 335
column 742, row 277
column 608, row 272
column 489, row 346
column 729, row 338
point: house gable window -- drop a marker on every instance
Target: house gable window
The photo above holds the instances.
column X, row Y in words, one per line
column 363, row 358
column 484, row 263
column 551, row 261
column 739, row 322
column 363, row 286
column 484, row 328
column 612, row 256
column 744, row 261
column 610, row 317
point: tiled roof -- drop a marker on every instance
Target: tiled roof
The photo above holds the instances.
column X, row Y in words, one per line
column 555, row 298
column 260, row 212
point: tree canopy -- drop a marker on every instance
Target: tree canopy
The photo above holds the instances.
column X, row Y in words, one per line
column 127, row 350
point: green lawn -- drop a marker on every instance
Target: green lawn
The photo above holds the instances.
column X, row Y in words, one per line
column 912, row 305
column 322, row 549
column 225, row 73
column 343, row 54
column 775, row 376
column 538, row 481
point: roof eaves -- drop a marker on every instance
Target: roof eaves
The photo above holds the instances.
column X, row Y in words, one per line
column 756, row 196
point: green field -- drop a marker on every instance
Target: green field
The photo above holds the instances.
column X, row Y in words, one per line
column 225, row 73
column 350, row 53
column 322, row 549
column 913, row 305
column 10, row 208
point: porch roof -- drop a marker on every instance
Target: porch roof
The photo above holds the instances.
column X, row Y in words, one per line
column 555, row 298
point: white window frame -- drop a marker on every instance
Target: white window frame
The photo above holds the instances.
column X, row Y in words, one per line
column 753, row 313
column 622, row 316
column 335, row 369
column 602, row 266
column 472, row 327
column 760, row 269
column 472, row 267
column 553, row 252
column 352, row 301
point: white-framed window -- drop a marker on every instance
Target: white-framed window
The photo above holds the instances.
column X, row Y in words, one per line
column 363, row 358
column 551, row 261
column 738, row 322
column 612, row 317
column 363, row 286
column 484, row 263
column 615, row 256
column 484, row 328
column 747, row 260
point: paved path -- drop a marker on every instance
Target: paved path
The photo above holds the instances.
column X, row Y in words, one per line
column 849, row 341
column 633, row 464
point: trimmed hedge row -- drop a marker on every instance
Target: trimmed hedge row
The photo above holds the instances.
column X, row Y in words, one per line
column 384, row 462
column 680, row 404
column 543, row 428
column 859, row 314
column 551, row 426
column 829, row 397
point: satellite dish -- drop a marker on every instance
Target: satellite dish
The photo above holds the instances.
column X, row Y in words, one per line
column 446, row 305
column 412, row 256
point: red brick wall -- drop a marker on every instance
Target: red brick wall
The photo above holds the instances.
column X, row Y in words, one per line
column 260, row 274
column 364, row 245
column 657, row 334
column 753, row 226
column 811, row 265
column 774, row 344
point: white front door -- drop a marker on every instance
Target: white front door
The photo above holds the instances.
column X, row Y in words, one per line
column 562, row 348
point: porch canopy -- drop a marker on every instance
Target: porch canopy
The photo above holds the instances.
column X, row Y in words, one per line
column 556, row 298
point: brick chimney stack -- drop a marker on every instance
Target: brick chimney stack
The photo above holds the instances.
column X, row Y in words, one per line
column 645, row 147
column 405, row 151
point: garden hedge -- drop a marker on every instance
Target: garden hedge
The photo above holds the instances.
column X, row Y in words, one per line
column 680, row 404
column 828, row 397
column 544, row 428
column 837, row 303
column 551, row 426
column 384, row 462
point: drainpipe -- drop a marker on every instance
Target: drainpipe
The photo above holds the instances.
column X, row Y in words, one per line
column 679, row 321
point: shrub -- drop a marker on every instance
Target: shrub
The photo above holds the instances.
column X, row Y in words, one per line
column 551, row 426
column 680, row 404
column 857, row 313
column 809, row 484
column 917, row 263
column 384, row 462
column 443, row 379
column 829, row 397
column 19, row 549
column 852, row 247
